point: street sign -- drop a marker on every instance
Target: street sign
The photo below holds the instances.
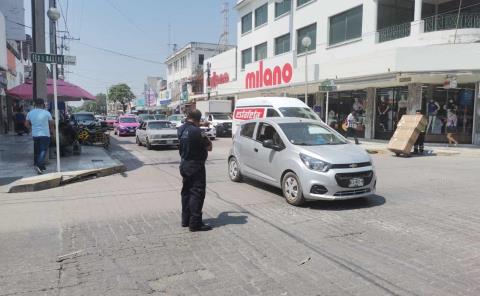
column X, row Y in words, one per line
column 328, row 85
column 69, row 60
column 47, row 58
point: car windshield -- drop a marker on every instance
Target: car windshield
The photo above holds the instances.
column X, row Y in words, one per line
column 128, row 119
column 146, row 117
column 111, row 117
column 160, row 116
column 175, row 117
column 310, row 134
column 222, row 117
column 84, row 117
column 301, row 112
column 159, row 125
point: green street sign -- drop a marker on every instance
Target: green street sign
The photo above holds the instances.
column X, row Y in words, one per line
column 328, row 85
column 47, row 58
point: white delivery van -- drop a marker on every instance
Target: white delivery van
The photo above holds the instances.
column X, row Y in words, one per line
column 218, row 113
column 261, row 107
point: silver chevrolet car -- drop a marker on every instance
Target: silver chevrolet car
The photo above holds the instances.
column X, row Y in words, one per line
column 305, row 158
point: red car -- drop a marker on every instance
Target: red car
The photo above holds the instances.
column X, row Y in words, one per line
column 111, row 120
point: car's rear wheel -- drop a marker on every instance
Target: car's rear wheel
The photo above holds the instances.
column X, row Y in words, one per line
column 149, row 146
column 234, row 170
column 292, row 189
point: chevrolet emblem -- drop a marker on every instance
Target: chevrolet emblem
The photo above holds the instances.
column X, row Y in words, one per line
column 353, row 165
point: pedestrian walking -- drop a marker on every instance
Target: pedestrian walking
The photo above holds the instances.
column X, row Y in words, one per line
column 194, row 147
column 418, row 147
column 452, row 122
column 41, row 123
column 352, row 126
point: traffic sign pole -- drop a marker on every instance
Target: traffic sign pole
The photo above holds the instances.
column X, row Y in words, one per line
column 326, row 108
column 55, row 100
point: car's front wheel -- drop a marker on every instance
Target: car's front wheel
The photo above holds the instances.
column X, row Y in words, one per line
column 292, row 189
column 234, row 170
column 149, row 146
column 137, row 140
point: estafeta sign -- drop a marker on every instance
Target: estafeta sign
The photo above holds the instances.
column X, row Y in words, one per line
column 248, row 113
column 269, row 77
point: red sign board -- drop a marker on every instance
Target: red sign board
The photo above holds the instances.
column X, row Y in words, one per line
column 268, row 77
column 248, row 113
column 217, row 79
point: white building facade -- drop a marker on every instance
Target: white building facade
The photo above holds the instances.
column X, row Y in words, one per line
column 185, row 72
column 386, row 58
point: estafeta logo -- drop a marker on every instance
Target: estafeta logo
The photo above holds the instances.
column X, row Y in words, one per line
column 217, row 79
column 268, row 77
column 248, row 113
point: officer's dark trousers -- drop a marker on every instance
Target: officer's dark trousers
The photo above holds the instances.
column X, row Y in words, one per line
column 193, row 192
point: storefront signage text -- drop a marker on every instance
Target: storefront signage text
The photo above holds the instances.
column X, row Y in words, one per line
column 268, row 77
column 217, row 79
column 248, row 113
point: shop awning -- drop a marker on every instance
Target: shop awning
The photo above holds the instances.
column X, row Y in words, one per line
column 66, row 91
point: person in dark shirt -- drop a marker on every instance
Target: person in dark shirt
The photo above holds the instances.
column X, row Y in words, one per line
column 194, row 147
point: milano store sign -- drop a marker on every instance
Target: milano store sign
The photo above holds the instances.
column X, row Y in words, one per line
column 264, row 77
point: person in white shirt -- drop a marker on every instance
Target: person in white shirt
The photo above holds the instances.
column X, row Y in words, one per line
column 352, row 126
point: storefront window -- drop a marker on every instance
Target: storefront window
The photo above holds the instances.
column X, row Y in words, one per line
column 340, row 106
column 391, row 105
column 440, row 103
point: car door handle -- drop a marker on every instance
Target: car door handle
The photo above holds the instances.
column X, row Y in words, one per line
column 255, row 149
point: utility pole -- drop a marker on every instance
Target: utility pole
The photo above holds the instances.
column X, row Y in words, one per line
column 53, row 35
column 209, row 65
column 38, row 39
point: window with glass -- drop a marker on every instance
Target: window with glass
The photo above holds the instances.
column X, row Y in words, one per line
column 201, row 58
column 159, row 125
column 272, row 113
column 346, row 25
column 282, row 7
column 246, row 57
column 310, row 31
column 267, row 132
column 247, row 23
column 282, row 44
column 261, row 15
column 300, row 112
column 247, row 130
column 261, row 51
column 302, row 2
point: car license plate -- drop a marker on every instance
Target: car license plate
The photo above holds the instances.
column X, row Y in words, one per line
column 356, row 182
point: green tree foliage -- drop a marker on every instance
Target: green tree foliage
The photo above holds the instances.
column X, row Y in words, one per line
column 121, row 94
column 98, row 106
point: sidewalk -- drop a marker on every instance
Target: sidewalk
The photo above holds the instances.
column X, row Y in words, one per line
column 380, row 146
column 17, row 173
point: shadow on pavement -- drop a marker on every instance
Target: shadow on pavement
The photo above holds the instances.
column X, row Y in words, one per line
column 130, row 161
column 348, row 204
column 225, row 218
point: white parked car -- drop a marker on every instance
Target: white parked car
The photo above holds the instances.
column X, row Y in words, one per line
column 157, row 133
column 209, row 130
column 177, row 119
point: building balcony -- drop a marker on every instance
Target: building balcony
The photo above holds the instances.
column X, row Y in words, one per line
column 451, row 22
column 394, row 32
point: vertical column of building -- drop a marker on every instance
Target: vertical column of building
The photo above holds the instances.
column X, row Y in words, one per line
column 476, row 116
column 370, row 113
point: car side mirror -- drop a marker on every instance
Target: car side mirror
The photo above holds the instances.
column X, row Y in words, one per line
column 270, row 145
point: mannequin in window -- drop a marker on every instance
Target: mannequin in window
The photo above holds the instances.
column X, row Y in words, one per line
column 357, row 106
column 432, row 110
column 383, row 109
column 451, row 106
column 402, row 107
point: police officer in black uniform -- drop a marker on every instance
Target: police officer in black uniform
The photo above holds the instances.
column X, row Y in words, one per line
column 194, row 147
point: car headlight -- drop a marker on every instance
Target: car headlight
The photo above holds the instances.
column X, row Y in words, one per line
column 314, row 164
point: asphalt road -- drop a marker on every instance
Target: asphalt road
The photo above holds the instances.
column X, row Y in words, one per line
column 121, row 235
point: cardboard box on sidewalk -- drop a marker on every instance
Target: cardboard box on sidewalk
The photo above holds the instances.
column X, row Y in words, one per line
column 407, row 133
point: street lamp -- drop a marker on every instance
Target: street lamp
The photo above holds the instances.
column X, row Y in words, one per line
column 306, row 42
column 53, row 14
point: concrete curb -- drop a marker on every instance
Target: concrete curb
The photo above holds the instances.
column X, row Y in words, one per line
column 437, row 152
column 53, row 180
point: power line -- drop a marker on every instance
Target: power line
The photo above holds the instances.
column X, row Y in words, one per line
column 122, row 54
column 126, row 17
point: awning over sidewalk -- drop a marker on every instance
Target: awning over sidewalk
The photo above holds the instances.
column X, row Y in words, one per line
column 66, row 91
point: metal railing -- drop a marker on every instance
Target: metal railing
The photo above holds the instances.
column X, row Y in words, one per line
column 394, row 32
column 449, row 22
